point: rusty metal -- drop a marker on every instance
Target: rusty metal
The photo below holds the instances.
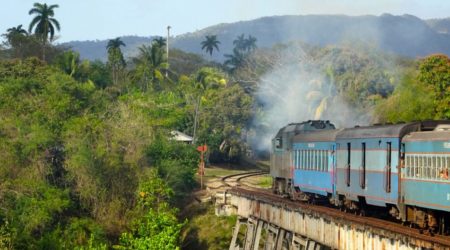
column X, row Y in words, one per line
column 328, row 226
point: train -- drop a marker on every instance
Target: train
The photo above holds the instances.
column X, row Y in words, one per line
column 401, row 169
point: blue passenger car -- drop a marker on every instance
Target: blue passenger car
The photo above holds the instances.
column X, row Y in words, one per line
column 313, row 157
column 425, row 177
column 367, row 163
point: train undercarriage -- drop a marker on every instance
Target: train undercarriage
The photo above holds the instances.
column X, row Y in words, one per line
column 426, row 220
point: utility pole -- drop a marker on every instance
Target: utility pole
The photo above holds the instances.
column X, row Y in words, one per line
column 167, row 49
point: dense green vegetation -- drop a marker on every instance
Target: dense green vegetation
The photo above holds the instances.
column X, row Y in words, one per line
column 87, row 159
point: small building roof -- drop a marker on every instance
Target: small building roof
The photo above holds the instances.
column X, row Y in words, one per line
column 180, row 136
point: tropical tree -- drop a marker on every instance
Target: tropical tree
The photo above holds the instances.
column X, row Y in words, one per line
column 434, row 71
column 160, row 41
column 115, row 58
column 44, row 23
column 16, row 37
column 250, row 43
column 149, row 65
column 210, row 43
column 239, row 43
column 204, row 79
column 235, row 60
column 14, row 33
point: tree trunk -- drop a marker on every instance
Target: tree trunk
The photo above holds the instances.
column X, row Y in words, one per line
column 197, row 107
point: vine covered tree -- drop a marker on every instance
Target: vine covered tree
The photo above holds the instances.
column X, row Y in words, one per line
column 43, row 23
column 210, row 43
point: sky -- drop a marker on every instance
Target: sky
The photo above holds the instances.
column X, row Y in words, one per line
column 106, row 19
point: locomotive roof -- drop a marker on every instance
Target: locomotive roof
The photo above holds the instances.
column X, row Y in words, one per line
column 317, row 136
column 388, row 130
column 309, row 125
column 428, row 135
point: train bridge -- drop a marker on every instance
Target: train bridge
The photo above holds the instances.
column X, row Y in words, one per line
column 266, row 221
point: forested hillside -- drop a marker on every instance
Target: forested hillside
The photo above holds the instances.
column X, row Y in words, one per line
column 88, row 161
column 405, row 35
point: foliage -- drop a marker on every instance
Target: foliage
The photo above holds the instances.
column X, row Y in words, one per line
column 149, row 66
column 116, row 62
column 175, row 162
column 158, row 228
column 435, row 73
column 44, row 23
column 197, row 235
column 242, row 49
column 423, row 93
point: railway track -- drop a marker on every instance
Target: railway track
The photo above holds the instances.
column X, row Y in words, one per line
column 393, row 227
column 235, row 179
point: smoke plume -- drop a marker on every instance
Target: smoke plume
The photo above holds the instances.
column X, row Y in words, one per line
column 298, row 89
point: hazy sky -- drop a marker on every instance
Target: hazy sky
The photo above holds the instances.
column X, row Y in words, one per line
column 102, row 19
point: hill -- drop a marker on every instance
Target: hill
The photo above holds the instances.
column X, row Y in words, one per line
column 405, row 35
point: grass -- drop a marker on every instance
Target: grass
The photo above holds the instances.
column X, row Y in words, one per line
column 264, row 182
column 205, row 230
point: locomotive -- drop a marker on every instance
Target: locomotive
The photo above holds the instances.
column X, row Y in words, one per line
column 402, row 168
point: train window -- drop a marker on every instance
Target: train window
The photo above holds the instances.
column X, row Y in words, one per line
column 325, row 160
column 421, row 166
column 319, row 157
column 417, row 166
column 408, row 165
column 318, row 160
column 433, row 168
column 308, row 161
column 303, row 160
column 278, row 142
column 295, row 158
column 298, row 159
column 314, row 166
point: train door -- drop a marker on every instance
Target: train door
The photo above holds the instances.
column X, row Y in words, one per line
column 388, row 167
column 332, row 160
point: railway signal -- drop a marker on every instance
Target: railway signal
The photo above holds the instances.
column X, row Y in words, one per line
column 201, row 166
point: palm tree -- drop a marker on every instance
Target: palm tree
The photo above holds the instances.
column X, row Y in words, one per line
column 115, row 57
column 160, row 41
column 239, row 42
column 16, row 37
column 44, row 23
column 234, row 60
column 149, row 64
column 250, row 43
column 15, row 32
column 210, row 43
column 114, row 44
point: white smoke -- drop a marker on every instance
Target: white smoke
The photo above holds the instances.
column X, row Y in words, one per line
column 298, row 89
